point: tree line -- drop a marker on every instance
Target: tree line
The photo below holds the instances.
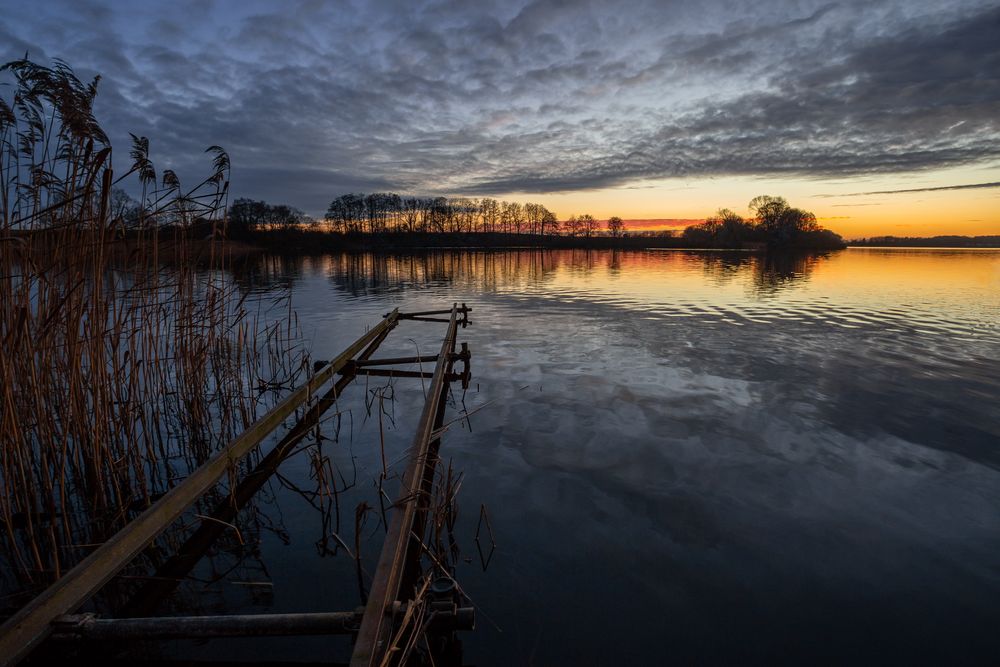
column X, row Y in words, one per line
column 388, row 212
column 382, row 212
column 773, row 222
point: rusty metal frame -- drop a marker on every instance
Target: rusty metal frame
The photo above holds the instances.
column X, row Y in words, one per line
column 398, row 562
column 428, row 315
column 170, row 573
column 398, row 551
column 33, row 623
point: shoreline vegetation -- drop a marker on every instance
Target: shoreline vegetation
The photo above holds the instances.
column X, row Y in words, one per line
column 989, row 241
column 200, row 244
column 387, row 221
column 124, row 363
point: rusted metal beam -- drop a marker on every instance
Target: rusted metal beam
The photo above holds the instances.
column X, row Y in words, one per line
column 88, row 626
column 181, row 662
column 396, row 360
column 33, row 623
column 462, row 377
column 393, row 373
column 376, row 626
column 461, row 310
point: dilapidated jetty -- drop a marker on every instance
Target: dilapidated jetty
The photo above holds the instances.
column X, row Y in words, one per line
column 407, row 598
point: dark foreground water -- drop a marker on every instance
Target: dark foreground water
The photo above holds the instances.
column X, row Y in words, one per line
column 685, row 457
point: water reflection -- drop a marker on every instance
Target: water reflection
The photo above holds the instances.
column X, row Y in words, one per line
column 361, row 274
column 895, row 289
column 722, row 457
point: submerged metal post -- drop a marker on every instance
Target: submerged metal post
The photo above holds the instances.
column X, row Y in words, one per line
column 88, row 626
column 398, row 563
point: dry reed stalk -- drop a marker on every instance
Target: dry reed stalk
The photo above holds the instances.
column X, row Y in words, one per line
column 119, row 372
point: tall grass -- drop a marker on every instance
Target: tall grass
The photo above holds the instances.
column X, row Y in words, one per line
column 128, row 353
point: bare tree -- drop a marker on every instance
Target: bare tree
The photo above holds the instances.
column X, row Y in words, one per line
column 550, row 223
column 489, row 212
column 779, row 221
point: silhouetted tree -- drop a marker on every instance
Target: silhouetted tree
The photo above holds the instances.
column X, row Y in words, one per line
column 465, row 212
column 779, row 221
column 489, row 213
column 411, row 214
column 247, row 216
column 615, row 226
column 346, row 213
column 124, row 209
column 511, row 217
column 550, row 223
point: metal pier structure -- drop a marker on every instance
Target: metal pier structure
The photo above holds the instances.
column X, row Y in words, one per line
column 384, row 628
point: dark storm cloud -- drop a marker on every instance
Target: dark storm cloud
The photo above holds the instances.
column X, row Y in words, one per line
column 315, row 98
column 922, row 99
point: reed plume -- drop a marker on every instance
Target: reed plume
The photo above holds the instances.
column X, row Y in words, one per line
column 129, row 354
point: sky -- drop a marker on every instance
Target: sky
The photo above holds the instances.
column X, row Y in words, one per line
column 880, row 117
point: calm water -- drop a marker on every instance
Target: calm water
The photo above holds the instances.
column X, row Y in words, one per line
column 686, row 457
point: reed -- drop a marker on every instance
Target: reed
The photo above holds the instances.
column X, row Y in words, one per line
column 120, row 371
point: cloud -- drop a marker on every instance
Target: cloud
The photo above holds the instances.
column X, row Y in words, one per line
column 965, row 186
column 926, row 98
column 449, row 97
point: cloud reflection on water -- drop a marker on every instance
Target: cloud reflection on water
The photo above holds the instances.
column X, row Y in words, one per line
column 724, row 457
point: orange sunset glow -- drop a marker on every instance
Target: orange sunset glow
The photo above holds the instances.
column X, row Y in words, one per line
column 837, row 204
column 693, row 110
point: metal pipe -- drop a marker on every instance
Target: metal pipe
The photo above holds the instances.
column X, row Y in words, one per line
column 463, row 310
column 396, row 360
column 88, row 626
column 393, row 373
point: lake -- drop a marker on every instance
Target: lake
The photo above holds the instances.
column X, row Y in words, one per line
column 684, row 456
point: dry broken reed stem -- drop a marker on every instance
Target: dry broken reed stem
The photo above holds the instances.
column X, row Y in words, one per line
column 119, row 372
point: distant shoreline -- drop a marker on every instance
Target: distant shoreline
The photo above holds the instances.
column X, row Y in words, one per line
column 924, row 247
column 311, row 241
column 987, row 242
column 299, row 241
